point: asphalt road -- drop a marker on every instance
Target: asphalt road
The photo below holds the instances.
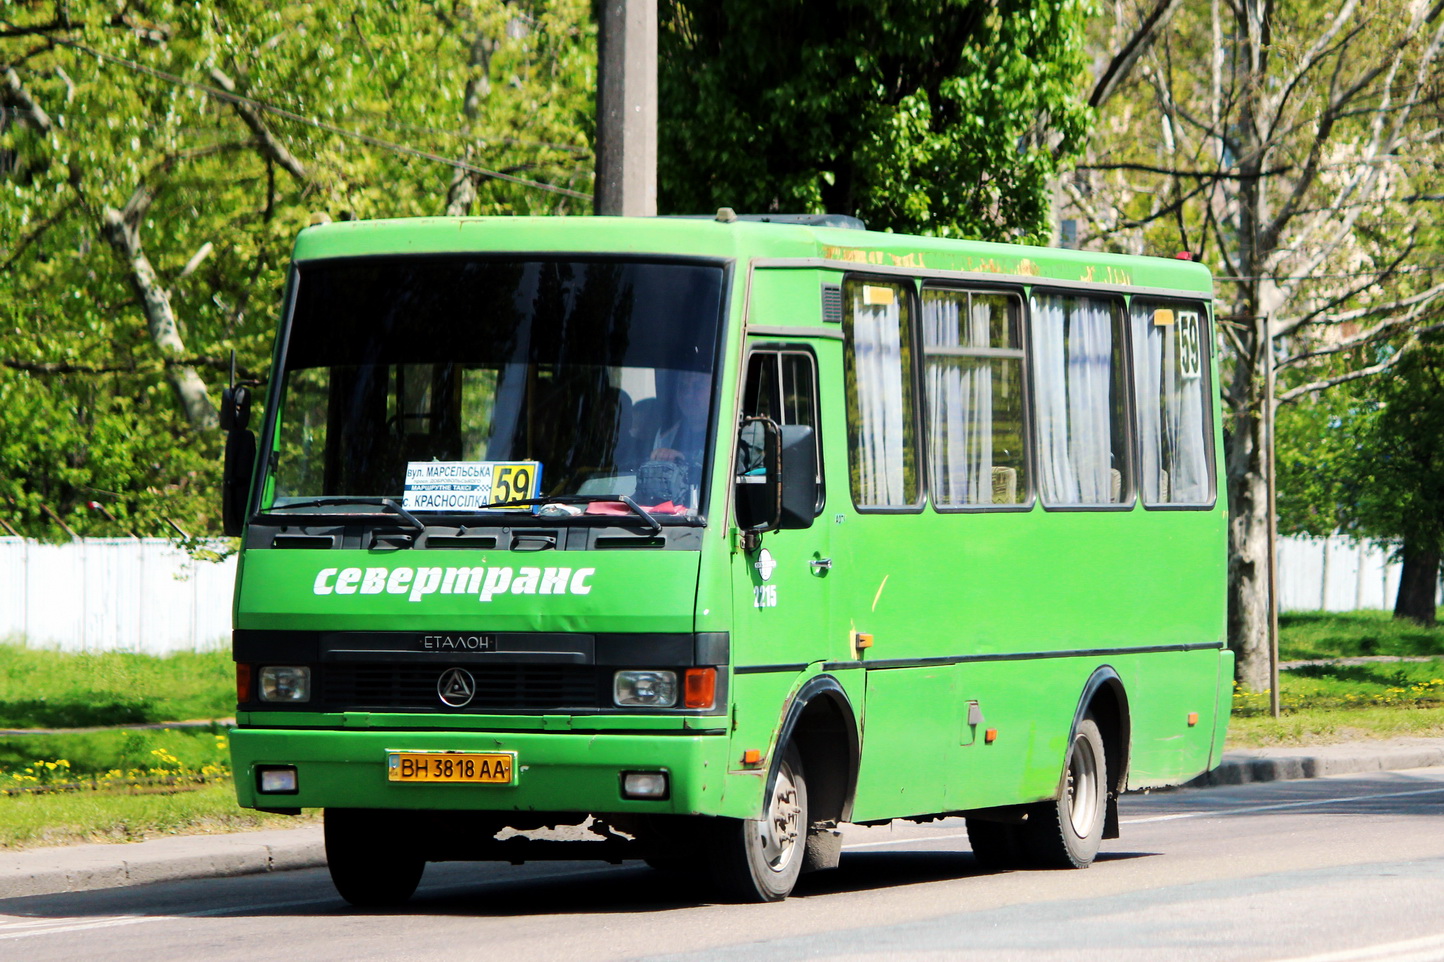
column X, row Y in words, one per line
column 1325, row 870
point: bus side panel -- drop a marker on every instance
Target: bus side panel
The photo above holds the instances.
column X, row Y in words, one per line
column 758, row 703
column 1030, row 714
column 906, row 767
column 1165, row 690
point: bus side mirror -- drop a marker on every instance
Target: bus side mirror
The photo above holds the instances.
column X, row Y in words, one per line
column 759, row 481
column 799, row 476
column 776, row 477
column 240, row 464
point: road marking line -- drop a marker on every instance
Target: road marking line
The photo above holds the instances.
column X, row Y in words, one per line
column 1278, row 805
column 1410, row 950
column 904, row 841
column 19, row 927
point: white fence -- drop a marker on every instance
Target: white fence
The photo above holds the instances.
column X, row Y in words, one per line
column 149, row 596
column 1335, row 574
column 114, row 594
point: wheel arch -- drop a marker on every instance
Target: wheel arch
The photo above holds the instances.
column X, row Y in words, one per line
column 1105, row 698
column 820, row 721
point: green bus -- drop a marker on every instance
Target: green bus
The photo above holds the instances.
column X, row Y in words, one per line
column 692, row 539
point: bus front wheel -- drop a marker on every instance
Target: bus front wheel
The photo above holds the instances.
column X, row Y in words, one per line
column 368, row 866
column 1066, row 832
column 759, row 859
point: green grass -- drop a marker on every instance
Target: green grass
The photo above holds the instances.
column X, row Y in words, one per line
column 122, row 784
column 41, row 688
column 1325, row 634
column 128, row 816
column 1315, row 726
column 86, row 756
column 1328, row 703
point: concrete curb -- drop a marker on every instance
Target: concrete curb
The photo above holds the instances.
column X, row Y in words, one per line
column 83, row 868
column 1352, row 758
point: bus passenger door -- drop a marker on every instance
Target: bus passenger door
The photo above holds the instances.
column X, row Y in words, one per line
column 781, row 610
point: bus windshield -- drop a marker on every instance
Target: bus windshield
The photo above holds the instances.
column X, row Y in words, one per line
column 598, row 372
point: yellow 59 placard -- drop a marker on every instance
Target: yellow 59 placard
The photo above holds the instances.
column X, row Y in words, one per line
column 514, row 481
column 470, row 485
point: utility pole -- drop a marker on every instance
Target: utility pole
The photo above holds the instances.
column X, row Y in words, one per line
column 626, row 182
column 1270, row 413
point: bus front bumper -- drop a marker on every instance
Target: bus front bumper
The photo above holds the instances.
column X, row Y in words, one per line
column 549, row 771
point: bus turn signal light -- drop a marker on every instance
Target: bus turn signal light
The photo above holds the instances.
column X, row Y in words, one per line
column 699, row 688
column 1192, row 719
column 243, row 682
column 990, row 736
column 752, row 756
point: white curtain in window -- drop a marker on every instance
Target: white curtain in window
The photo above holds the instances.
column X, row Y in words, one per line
column 877, row 357
column 1170, row 414
column 977, row 412
column 1073, row 357
column 1151, row 350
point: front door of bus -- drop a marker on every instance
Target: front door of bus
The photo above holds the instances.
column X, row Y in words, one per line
column 781, row 611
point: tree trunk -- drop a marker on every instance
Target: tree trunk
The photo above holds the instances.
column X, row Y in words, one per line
column 1418, row 582
column 123, row 235
column 1248, row 578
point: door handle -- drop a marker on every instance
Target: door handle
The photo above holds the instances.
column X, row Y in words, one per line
column 821, row 564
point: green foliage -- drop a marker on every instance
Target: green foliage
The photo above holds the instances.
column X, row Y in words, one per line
column 89, row 412
column 51, row 689
column 1317, row 443
column 919, row 117
column 1396, row 478
column 1364, row 457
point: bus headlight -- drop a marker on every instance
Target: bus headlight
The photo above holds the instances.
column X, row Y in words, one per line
column 285, row 683
column 645, row 689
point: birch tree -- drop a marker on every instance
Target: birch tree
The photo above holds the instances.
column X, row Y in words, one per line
column 156, row 162
column 1288, row 145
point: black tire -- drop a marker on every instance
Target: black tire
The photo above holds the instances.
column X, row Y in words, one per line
column 367, row 868
column 996, row 845
column 758, row 860
column 1066, row 832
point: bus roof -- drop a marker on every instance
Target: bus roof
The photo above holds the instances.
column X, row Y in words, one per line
column 744, row 241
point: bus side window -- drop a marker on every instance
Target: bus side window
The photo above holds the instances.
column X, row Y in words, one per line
column 973, row 398
column 1170, row 361
column 878, row 376
column 1080, row 400
column 782, row 385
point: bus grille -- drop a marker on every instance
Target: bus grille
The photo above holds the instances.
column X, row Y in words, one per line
column 499, row 688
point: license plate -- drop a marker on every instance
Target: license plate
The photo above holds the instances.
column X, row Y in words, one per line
column 463, row 768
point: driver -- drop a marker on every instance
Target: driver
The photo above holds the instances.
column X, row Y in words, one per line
column 684, row 426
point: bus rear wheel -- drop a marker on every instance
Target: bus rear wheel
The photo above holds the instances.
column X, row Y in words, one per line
column 1066, row 832
column 369, row 868
column 759, row 859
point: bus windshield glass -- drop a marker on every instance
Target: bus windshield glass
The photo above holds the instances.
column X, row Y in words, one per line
column 586, row 379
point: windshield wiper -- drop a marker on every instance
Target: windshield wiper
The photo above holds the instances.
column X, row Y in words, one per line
column 386, row 503
column 635, row 508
